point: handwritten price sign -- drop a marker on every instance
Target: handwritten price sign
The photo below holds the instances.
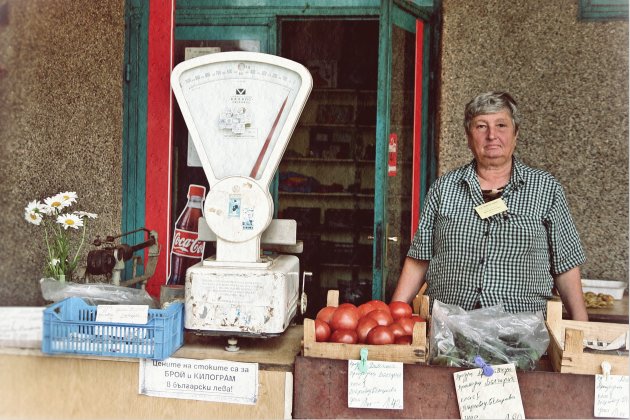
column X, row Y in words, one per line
column 489, row 397
column 380, row 386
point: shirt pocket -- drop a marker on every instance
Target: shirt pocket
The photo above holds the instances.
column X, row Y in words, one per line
column 523, row 234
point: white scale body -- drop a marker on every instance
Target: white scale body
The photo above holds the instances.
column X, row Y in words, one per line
column 241, row 109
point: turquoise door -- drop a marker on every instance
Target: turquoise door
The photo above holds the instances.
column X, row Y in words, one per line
column 402, row 150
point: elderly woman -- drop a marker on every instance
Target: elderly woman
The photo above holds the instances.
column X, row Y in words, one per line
column 495, row 230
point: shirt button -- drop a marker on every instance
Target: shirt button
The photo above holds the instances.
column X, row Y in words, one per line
column 478, row 290
column 486, row 233
column 481, row 260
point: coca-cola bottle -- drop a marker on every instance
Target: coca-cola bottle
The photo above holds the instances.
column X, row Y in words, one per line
column 187, row 250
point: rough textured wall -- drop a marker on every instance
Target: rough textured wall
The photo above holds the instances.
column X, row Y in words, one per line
column 60, row 124
column 570, row 78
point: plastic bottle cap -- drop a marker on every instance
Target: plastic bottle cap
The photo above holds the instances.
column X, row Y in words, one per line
column 196, row 190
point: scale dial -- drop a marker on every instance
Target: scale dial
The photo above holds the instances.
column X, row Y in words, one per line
column 240, row 109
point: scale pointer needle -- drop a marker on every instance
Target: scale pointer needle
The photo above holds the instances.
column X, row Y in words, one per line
column 267, row 141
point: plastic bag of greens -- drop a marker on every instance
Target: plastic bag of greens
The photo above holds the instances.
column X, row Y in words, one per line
column 498, row 337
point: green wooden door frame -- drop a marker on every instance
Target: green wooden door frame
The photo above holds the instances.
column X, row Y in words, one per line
column 232, row 16
column 134, row 121
column 403, row 15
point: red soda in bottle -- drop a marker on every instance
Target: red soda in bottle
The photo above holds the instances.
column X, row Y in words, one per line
column 186, row 249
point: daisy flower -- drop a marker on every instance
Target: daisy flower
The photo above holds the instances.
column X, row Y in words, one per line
column 70, row 221
column 33, row 217
column 34, row 207
column 55, row 203
column 83, row 214
column 69, row 196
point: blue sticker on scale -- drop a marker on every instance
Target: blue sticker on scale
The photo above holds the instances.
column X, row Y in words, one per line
column 234, row 209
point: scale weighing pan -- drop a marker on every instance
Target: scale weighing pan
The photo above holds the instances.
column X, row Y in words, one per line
column 241, row 109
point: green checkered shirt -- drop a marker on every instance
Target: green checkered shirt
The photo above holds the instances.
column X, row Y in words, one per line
column 507, row 258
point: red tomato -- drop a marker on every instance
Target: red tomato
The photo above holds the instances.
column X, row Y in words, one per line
column 404, row 339
column 381, row 317
column 400, row 309
column 379, row 304
column 407, row 325
column 418, row 318
column 380, row 335
column 322, row 331
column 365, row 325
column 325, row 314
column 344, row 336
column 345, row 318
column 397, row 330
column 365, row 309
column 347, row 305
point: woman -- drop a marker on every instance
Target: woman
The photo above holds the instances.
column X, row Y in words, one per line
column 495, row 230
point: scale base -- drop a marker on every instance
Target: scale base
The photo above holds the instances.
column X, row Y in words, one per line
column 241, row 300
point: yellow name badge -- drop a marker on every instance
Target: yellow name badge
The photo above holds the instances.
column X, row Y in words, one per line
column 491, row 208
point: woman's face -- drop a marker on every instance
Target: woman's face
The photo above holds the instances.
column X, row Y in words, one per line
column 492, row 138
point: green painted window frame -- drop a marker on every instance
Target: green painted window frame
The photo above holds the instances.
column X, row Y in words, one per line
column 603, row 9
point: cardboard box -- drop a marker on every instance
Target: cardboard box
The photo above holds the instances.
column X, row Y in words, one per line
column 566, row 344
column 416, row 353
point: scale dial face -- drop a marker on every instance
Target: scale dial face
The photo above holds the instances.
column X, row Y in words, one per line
column 240, row 109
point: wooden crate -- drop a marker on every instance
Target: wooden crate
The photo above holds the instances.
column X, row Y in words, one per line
column 571, row 357
column 416, row 353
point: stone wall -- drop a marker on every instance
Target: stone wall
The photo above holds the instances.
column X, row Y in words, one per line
column 60, row 124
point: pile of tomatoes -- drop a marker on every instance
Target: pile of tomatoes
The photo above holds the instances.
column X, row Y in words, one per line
column 373, row 322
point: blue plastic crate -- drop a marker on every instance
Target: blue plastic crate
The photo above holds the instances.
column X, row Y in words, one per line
column 70, row 327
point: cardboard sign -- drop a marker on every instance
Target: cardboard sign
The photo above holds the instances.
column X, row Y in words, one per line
column 489, row 397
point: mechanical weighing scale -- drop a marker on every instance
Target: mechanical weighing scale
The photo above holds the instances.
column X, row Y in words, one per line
column 241, row 109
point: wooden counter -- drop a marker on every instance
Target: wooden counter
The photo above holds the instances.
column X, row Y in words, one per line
column 618, row 313
column 321, row 389
column 34, row 385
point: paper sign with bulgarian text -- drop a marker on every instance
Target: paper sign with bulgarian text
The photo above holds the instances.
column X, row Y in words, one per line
column 489, row 397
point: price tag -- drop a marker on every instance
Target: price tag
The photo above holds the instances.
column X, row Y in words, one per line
column 380, row 386
column 489, row 397
column 205, row 380
column 611, row 396
column 123, row 314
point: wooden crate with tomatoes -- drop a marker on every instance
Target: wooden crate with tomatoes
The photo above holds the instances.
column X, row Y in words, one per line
column 345, row 332
column 569, row 343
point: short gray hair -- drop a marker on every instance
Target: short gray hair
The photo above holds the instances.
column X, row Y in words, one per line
column 491, row 103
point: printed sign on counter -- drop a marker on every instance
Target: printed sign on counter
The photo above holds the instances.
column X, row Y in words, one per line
column 611, row 396
column 380, row 386
column 489, row 397
column 206, row 380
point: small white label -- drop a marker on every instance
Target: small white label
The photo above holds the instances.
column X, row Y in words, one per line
column 489, row 397
column 491, row 208
column 123, row 314
column 206, row 380
column 611, row 396
column 381, row 386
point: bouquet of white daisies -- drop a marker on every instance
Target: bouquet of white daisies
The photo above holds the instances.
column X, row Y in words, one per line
column 59, row 223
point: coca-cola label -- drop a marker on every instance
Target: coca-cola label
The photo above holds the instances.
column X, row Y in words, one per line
column 186, row 244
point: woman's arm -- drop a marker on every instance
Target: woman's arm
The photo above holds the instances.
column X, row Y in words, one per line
column 411, row 279
column 569, row 285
